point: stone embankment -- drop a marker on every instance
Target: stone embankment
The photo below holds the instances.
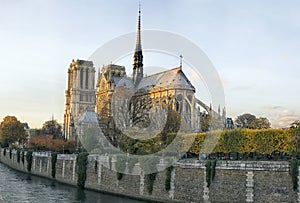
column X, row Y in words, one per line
column 234, row 181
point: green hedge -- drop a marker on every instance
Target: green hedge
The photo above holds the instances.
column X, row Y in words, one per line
column 247, row 141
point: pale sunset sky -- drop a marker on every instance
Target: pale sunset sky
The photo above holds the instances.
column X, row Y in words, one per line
column 253, row 44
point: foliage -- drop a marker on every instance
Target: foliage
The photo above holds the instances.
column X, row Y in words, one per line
column 12, row 131
column 209, row 122
column 168, row 177
column 10, row 153
column 244, row 120
column 213, row 169
column 29, row 160
column 23, row 156
column 260, row 123
column 210, row 168
column 294, row 164
column 295, row 124
column 48, row 143
column 172, row 124
column 52, row 127
column 18, row 155
column 263, row 141
column 208, row 172
column 205, row 121
column 150, row 179
column 3, row 142
column 53, row 164
column 81, row 169
column 250, row 121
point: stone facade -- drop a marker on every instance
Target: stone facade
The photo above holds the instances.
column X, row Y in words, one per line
column 235, row 181
column 80, row 94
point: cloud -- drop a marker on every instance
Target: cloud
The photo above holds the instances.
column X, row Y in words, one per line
column 285, row 118
column 271, row 107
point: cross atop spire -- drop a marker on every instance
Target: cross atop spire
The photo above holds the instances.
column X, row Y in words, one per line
column 138, row 54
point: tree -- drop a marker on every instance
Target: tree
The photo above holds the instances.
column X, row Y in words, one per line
column 12, row 131
column 295, row 124
column 52, row 128
column 260, row 123
column 244, row 120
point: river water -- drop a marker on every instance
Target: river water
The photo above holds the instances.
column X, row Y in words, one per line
column 20, row 187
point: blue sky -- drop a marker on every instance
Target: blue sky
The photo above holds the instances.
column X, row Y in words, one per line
column 254, row 45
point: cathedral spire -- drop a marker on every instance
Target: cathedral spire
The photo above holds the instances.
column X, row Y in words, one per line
column 138, row 54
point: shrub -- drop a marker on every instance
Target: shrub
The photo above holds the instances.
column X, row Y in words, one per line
column 18, row 155
column 81, row 169
column 150, row 179
column 213, row 169
column 294, row 164
column 210, row 168
column 53, row 164
column 23, row 156
column 168, row 178
column 10, row 153
column 29, row 160
column 208, row 172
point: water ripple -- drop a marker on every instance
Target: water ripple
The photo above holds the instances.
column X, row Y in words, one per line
column 16, row 187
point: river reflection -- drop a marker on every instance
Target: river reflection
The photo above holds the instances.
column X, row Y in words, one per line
column 20, row 187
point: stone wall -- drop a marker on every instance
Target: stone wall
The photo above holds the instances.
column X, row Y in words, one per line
column 235, row 181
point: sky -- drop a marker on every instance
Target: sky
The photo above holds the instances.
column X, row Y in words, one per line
column 254, row 45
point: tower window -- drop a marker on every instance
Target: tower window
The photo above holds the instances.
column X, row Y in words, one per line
column 81, row 78
column 87, row 79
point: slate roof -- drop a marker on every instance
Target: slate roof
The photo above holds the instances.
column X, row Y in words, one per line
column 123, row 82
column 89, row 116
column 170, row 78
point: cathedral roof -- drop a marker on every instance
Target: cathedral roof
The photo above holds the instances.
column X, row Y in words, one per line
column 170, row 78
column 89, row 116
column 122, row 82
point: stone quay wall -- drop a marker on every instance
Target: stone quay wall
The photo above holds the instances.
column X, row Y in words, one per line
column 235, row 181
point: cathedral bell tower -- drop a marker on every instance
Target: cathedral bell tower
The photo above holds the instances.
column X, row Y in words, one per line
column 80, row 94
column 138, row 55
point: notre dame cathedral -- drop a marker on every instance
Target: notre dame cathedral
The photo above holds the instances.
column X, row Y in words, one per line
column 128, row 99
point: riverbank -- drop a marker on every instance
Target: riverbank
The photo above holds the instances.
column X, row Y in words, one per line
column 234, row 181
